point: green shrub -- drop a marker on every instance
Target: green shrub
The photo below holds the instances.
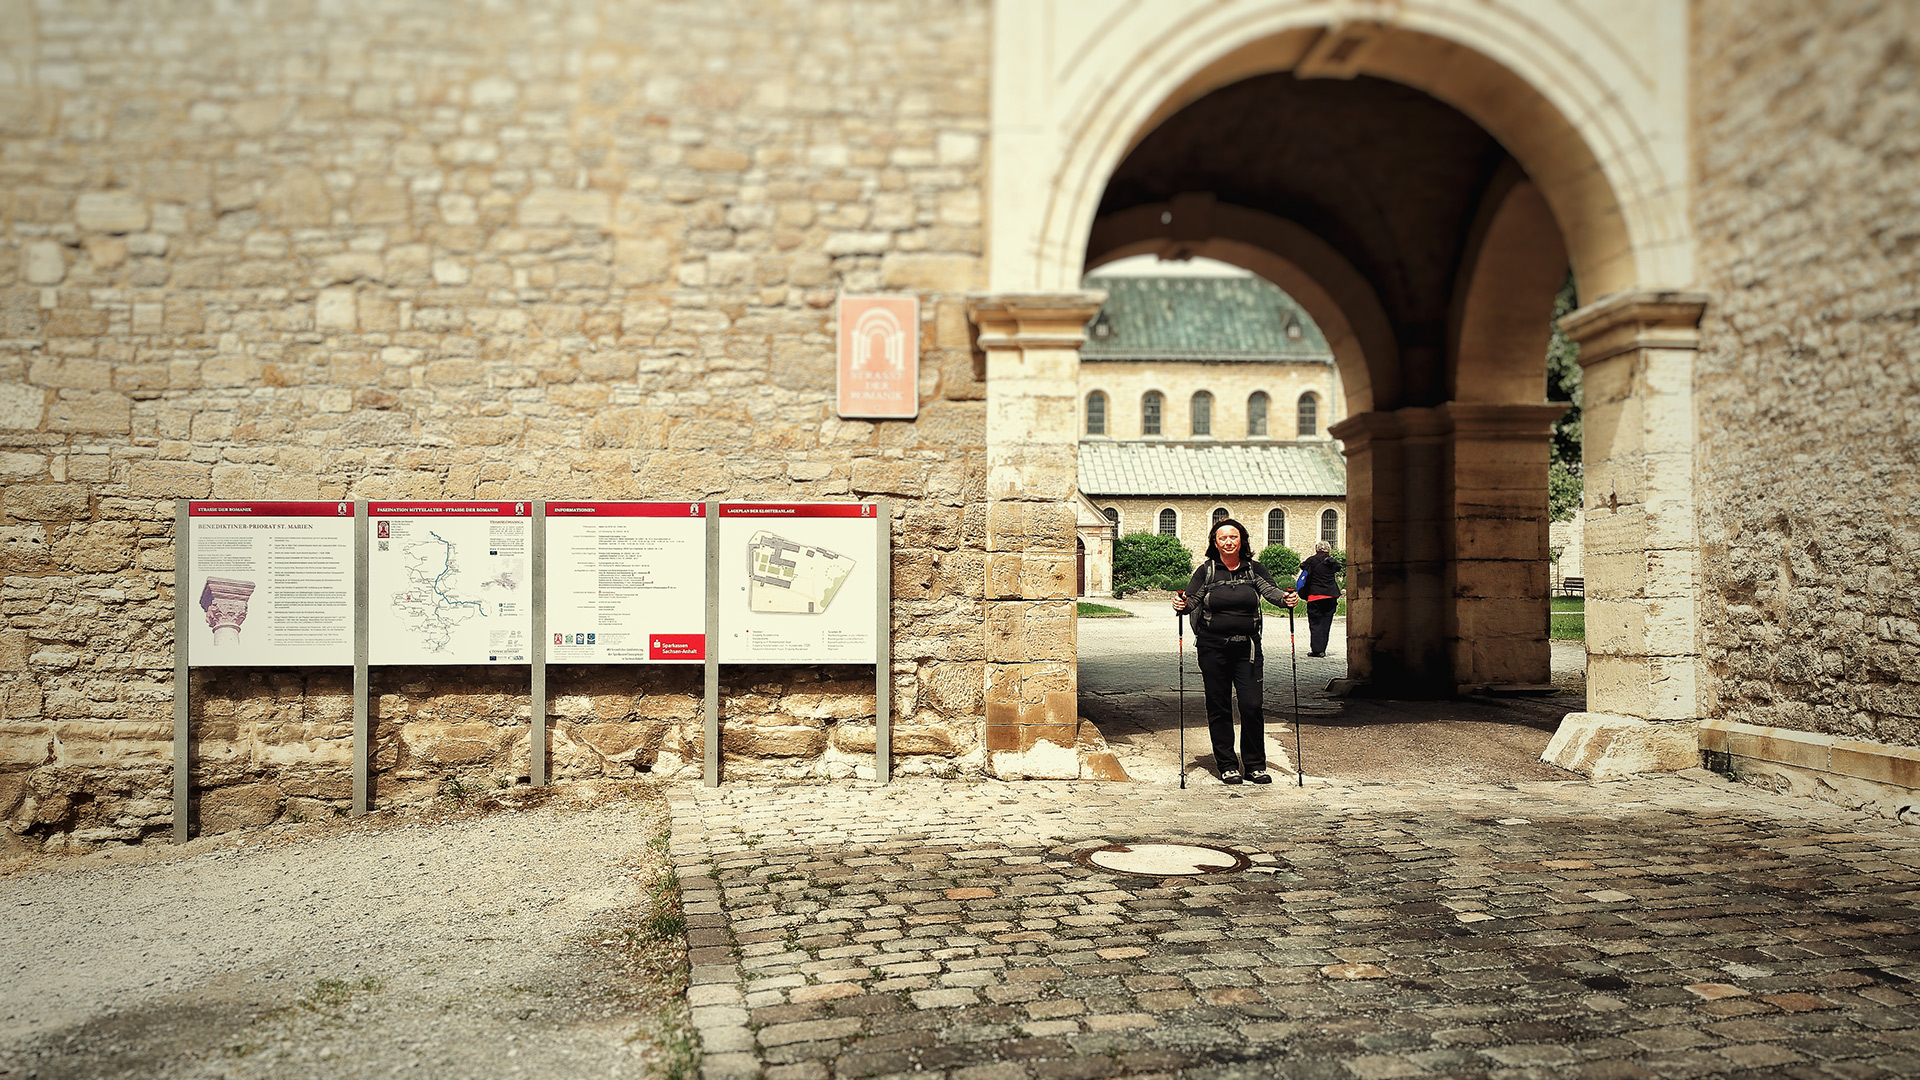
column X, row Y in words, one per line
column 1282, row 562
column 1147, row 560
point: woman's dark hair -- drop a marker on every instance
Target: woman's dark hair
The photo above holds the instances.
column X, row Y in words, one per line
column 1213, row 551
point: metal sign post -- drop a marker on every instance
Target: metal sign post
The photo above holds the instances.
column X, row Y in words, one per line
column 883, row 645
column 182, row 672
column 362, row 633
column 710, row 728
column 537, row 739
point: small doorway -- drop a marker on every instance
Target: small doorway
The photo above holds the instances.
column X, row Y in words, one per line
column 1080, row 567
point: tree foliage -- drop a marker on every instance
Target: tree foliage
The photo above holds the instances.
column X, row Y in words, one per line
column 1148, row 560
column 1563, row 384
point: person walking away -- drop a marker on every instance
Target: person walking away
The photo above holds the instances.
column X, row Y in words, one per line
column 1319, row 582
column 1224, row 595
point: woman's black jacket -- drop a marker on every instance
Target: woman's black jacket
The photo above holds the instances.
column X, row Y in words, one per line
column 1322, row 576
column 1224, row 604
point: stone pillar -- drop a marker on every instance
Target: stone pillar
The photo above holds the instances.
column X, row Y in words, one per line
column 1497, row 579
column 1644, row 686
column 1032, row 343
column 1398, row 543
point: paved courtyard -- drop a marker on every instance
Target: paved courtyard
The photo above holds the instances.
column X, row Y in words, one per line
column 1672, row 927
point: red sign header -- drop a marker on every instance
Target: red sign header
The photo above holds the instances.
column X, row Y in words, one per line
column 270, row 509
column 627, row 509
column 450, row 509
column 800, row 510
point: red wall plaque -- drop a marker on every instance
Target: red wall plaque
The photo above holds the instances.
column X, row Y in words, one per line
column 879, row 357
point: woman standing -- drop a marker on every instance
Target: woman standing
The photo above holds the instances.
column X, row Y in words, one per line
column 1319, row 582
column 1224, row 594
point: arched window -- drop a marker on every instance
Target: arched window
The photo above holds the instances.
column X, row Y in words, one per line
column 1276, row 527
column 1257, row 414
column 1219, row 514
column 1096, row 413
column 1150, row 413
column 1169, row 522
column 1330, row 527
column 1113, row 516
column 1203, row 413
column 1309, row 416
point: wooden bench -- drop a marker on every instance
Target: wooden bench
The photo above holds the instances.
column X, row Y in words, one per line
column 1573, row 586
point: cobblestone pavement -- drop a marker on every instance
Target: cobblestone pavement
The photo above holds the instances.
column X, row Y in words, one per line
column 1672, row 927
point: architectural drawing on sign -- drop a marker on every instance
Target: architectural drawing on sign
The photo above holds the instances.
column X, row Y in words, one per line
column 787, row 577
column 431, row 605
column 225, row 602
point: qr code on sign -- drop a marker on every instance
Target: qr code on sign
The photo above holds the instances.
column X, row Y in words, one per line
column 385, row 544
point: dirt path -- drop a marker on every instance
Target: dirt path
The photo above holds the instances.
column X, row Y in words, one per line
column 500, row 944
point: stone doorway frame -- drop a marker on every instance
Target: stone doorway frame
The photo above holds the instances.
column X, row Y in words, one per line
column 1600, row 128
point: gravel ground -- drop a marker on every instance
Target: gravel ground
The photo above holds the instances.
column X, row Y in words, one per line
column 504, row 943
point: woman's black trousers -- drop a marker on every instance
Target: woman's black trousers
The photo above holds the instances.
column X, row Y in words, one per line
column 1233, row 668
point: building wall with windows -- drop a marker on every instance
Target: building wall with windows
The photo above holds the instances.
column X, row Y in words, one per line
column 1193, row 518
column 1124, row 385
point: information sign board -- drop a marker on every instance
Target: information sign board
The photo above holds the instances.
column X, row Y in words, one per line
column 798, row 583
column 449, row 582
column 272, row 583
column 626, row 583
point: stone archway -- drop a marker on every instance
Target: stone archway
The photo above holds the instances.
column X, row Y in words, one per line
column 1441, row 421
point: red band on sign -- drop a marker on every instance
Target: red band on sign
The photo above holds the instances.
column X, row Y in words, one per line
column 270, row 509
column 450, row 509
column 800, row 510
column 676, row 646
column 627, row 509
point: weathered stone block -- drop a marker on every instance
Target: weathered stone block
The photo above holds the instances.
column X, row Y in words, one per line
column 238, row 806
column 1608, row 747
column 84, row 411
column 111, row 742
column 111, row 212
column 47, row 502
column 22, row 408
column 170, row 479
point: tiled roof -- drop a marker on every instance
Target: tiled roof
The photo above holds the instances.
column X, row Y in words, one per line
column 1162, row 468
column 1196, row 318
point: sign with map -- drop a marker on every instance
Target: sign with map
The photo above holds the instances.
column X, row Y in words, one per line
column 449, row 582
column 798, row 583
column 626, row 583
column 269, row 583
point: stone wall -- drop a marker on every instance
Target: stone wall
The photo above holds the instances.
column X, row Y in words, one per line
column 432, row 249
column 1808, row 211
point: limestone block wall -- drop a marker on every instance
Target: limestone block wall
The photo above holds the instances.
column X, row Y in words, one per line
column 440, row 249
column 1808, row 384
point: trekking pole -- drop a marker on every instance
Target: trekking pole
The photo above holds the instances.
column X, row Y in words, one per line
column 1299, row 765
column 1180, row 653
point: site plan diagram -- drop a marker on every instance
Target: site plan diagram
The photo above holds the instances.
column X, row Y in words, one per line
column 788, row 576
column 797, row 582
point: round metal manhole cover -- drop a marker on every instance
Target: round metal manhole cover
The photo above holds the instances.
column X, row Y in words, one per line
column 1164, row 860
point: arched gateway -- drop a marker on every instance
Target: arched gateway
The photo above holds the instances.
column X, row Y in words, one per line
column 1419, row 176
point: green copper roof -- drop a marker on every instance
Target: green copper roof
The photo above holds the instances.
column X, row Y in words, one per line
column 1200, row 318
column 1198, row 468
